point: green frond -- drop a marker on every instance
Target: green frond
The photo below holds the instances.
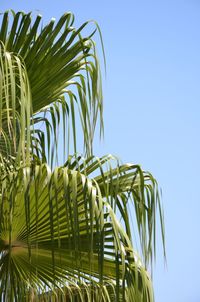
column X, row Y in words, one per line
column 58, row 232
column 62, row 68
column 127, row 187
column 14, row 93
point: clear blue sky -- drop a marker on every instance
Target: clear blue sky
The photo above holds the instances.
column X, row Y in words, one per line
column 152, row 113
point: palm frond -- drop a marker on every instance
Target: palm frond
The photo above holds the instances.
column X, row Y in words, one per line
column 14, row 93
column 62, row 70
column 59, row 230
column 127, row 187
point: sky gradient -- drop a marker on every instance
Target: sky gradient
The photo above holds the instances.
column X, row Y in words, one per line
column 152, row 113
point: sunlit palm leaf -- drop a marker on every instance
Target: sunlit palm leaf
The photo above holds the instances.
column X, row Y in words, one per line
column 14, row 92
column 57, row 230
column 120, row 183
column 58, row 59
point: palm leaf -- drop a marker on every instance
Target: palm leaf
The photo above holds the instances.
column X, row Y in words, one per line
column 60, row 230
column 62, row 70
column 127, row 187
column 14, row 92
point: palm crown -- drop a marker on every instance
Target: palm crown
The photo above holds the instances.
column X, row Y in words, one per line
column 65, row 232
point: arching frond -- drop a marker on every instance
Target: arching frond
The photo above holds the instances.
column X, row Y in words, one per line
column 62, row 70
column 127, row 187
column 14, row 124
column 59, row 233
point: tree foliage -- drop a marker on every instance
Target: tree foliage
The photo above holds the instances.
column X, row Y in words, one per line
column 65, row 231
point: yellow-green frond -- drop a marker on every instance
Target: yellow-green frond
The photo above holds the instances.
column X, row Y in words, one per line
column 15, row 109
column 58, row 234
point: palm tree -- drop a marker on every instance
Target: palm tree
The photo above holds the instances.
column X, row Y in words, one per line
column 65, row 231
